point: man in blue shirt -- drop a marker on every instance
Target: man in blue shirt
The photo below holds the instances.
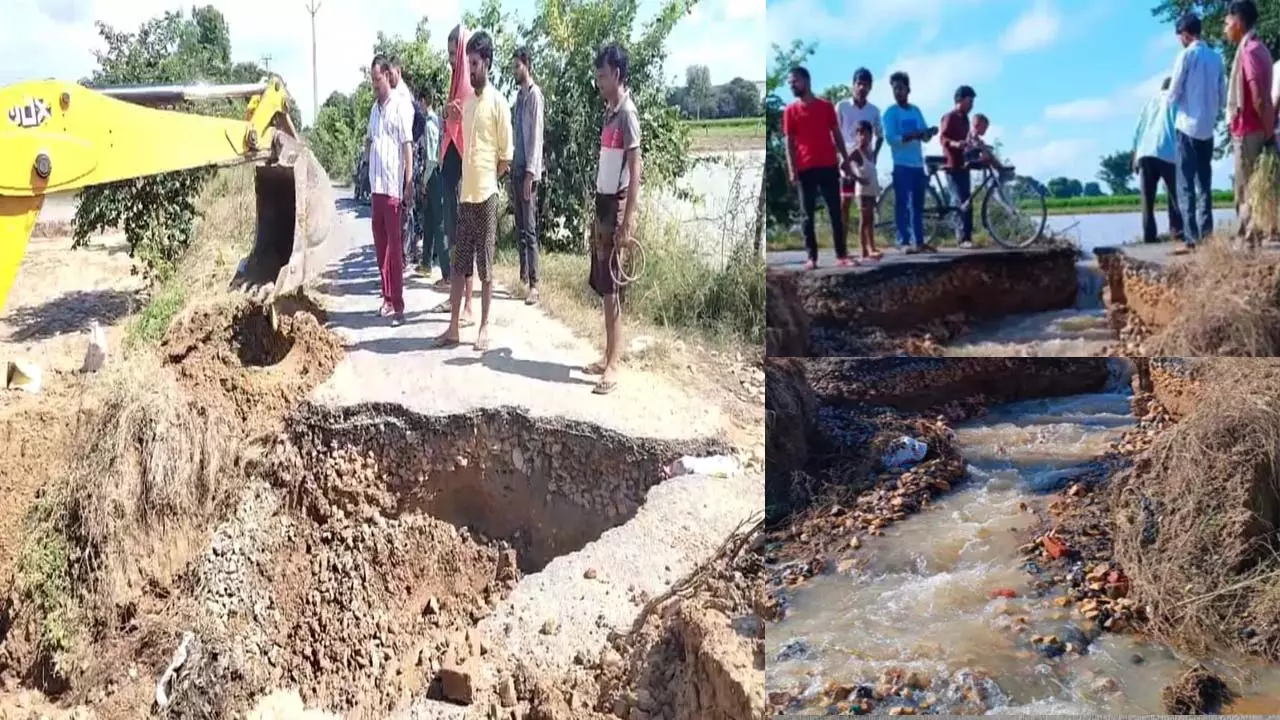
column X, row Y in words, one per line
column 1154, row 156
column 907, row 132
column 1198, row 91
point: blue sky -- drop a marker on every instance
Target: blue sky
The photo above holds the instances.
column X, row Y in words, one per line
column 56, row 38
column 1062, row 80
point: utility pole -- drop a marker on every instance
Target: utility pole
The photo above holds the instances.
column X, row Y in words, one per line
column 266, row 62
column 313, row 6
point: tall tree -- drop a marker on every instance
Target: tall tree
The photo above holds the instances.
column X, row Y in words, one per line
column 743, row 96
column 836, row 93
column 1116, row 171
column 698, row 89
column 1092, row 189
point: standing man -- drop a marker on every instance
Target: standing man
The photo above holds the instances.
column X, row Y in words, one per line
column 815, row 154
column 403, row 94
column 1198, row 93
column 528, row 170
column 1154, row 159
column 954, row 137
column 1250, row 114
column 486, row 156
column 430, row 192
column 850, row 113
column 617, row 196
column 905, row 128
column 390, row 144
column 451, row 163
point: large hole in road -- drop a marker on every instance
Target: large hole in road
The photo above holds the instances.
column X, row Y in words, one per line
column 545, row 486
column 381, row 538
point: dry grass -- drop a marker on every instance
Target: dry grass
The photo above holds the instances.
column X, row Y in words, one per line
column 1229, row 307
column 1263, row 194
column 1195, row 522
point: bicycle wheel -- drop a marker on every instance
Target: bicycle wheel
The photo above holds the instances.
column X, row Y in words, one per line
column 936, row 224
column 1014, row 213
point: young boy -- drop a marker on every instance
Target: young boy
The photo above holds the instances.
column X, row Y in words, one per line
column 979, row 147
column 867, row 189
column 907, row 132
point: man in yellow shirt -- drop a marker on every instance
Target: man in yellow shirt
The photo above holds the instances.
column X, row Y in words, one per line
column 486, row 155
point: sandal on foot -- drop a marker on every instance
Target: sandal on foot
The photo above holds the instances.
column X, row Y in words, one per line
column 444, row 341
column 595, row 368
column 604, row 387
column 441, row 308
column 481, row 345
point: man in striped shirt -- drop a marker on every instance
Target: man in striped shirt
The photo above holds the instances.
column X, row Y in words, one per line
column 390, row 141
column 528, row 170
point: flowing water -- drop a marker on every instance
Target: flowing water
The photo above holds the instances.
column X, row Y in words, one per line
column 919, row 598
column 1078, row 331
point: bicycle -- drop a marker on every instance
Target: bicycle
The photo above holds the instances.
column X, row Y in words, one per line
column 1017, row 201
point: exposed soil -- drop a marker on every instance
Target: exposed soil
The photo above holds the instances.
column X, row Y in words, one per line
column 217, row 371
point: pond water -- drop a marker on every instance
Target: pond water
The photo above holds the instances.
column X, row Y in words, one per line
column 919, row 598
column 720, row 215
column 1109, row 229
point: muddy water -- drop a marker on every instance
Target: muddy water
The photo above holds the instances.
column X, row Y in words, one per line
column 920, row 597
column 1079, row 331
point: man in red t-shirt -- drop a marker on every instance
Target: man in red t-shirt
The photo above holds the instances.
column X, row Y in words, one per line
column 813, row 142
column 1250, row 114
column 954, row 136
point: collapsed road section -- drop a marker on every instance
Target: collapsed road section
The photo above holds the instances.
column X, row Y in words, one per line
column 867, row 311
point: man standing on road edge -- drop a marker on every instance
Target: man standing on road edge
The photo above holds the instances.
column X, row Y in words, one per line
column 815, row 154
column 403, row 94
column 849, row 113
column 390, row 182
column 451, row 164
column 430, row 191
column 617, row 196
column 907, row 132
column 954, row 137
column 1198, row 92
column 1154, row 158
column 486, row 156
column 1250, row 115
column 528, row 170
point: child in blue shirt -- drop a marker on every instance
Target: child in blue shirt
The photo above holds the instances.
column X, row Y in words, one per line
column 907, row 132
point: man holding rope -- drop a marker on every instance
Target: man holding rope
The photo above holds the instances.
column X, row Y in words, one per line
column 617, row 190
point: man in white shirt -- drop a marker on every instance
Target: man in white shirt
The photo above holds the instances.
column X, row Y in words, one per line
column 849, row 113
column 390, row 141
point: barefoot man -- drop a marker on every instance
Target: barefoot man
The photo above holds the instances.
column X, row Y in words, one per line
column 486, row 156
column 617, row 190
column 451, row 163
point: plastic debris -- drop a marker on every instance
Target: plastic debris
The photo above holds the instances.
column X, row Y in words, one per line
column 713, row 466
column 904, row 452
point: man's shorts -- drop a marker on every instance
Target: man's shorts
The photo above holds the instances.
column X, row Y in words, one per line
column 477, row 236
column 609, row 209
column 847, row 187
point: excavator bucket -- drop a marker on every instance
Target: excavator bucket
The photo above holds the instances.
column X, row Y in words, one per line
column 296, row 215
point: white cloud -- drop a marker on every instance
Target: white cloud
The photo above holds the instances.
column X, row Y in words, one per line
column 56, row 38
column 935, row 77
column 857, row 19
column 1124, row 101
column 738, row 29
column 1035, row 29
column 1033, row 131
column 1071, row 157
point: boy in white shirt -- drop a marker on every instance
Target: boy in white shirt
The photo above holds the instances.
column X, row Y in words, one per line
column 867, row 187
column 851, row 113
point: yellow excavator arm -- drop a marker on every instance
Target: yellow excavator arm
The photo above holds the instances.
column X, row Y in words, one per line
column 57, row 136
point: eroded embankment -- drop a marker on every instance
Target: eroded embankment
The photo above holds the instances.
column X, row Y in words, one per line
column 875, row 311
column 864, row 403
column 375, row 541
column 1222, row 301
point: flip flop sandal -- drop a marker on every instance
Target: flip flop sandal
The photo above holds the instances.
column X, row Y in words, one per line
column 441, row 308
column 481, row 345
column 604, row 387
column 595, row 368
column 465, row 322
column 445, row 342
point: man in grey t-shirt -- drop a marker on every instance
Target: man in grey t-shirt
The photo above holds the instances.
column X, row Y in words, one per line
column 527, row 131
column 617, row 190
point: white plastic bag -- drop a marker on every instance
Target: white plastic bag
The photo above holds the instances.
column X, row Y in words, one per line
column 904, row 452
column 714, row 466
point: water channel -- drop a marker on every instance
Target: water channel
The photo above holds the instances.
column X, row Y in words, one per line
column 920, row 598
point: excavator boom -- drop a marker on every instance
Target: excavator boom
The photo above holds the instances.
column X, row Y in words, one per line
column 57, row 136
